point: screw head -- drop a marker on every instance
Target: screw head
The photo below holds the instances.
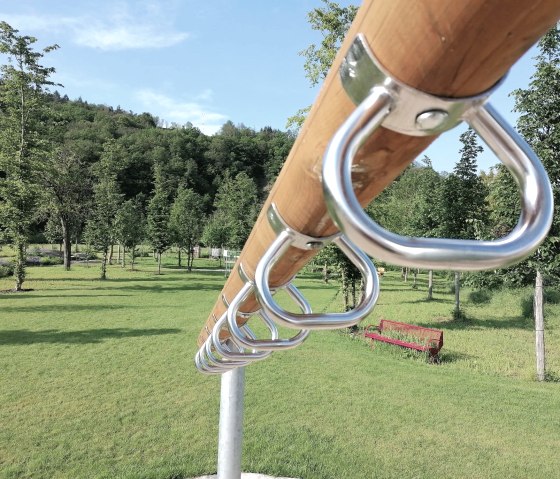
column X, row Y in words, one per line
column 432, row 119
column 314, row 245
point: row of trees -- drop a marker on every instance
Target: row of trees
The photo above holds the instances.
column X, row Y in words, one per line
column 71, row 171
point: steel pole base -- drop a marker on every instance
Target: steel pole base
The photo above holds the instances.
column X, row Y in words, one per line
column 246, row 475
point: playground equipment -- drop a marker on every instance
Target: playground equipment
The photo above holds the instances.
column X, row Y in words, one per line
column 406, row 72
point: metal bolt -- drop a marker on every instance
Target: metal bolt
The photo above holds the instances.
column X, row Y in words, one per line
column 314, row 245
column 430, row 120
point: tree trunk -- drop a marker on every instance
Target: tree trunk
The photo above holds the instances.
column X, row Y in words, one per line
column 159, row 263
column 325, row 274
column 345, row 290
column 414, row 285
column 189, row 259
column 179, row 258
column 104, row 261
column 539, row 327
column 19, row 267
column 67, row 244
column 457, row 289
column 430, row 284
column 123, row 256
column 406, row 275
column 111, row 255
column 354, row 302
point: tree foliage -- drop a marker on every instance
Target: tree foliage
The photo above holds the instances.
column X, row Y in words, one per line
column 539, row 123
column 332, row 21
column 130, row 227
column 158, row 217
column 22, row 142
column 186, row 221
column 100, row 226
column 236, row 206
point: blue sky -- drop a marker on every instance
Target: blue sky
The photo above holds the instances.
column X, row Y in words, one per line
column 203, row 62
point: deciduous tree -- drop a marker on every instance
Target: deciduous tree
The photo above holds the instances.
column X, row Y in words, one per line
column 100, row 226
column 186, row 221
column 22, row 146
column 158, row 216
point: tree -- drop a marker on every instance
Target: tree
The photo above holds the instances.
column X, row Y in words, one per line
column 332, row 21
column 406, row 207
column 539, row 123
column 100, row 226
column 67, row 187
column 130, row 227
column 236, row 204
column 185, row 222
column 22, row 149
column 158, row 217
column 462, row 207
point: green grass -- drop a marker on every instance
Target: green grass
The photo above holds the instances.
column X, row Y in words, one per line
column 97, row 381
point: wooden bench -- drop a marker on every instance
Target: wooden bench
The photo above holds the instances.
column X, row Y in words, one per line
column 425, row 339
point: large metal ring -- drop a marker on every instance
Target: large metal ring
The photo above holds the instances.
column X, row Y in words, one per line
column 323, row 320
column 433, row 253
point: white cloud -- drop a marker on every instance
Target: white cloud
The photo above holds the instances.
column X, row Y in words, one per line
column 180, row 112
column 125, row 26
column 126, row 37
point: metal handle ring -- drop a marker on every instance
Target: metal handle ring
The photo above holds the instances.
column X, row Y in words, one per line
column 434, row 253
column 263, row 344
column 323, row 320
column 228, row 354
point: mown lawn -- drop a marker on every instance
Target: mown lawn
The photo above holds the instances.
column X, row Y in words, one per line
column 97, row 381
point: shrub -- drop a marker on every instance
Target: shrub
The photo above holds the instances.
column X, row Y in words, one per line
column 480, row 297
column 50, row 260
column 6, row 270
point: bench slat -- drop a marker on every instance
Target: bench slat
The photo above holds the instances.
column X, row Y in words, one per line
column 398, row 342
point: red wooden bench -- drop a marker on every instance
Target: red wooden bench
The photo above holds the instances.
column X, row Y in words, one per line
column 428, row 339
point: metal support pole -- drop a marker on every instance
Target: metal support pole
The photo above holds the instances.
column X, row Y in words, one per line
column 231, row 424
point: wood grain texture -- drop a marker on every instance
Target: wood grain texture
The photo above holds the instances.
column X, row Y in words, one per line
column 445, row 47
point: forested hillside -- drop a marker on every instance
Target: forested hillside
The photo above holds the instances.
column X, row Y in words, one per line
column 74, row 172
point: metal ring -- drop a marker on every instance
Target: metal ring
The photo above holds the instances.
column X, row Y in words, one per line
column 316, row 321
column 228, row 354
column 434, row 253
column 263, row 344
column 207, row 363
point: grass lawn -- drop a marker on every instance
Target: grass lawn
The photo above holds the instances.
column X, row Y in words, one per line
column 97, row 381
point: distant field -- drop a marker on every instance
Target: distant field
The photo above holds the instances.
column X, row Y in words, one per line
column 97, row 381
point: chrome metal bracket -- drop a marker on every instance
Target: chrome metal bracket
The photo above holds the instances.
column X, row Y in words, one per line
column 299, row 240
column 412, row 112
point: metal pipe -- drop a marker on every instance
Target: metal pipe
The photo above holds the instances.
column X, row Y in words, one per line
column 231, row 424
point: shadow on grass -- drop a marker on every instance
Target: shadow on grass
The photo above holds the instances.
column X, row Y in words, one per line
column 87, row 336
column 426, row 300
column 58, row 294
column 452, row 356
column 163, row 276
column 157, row 288
column 507, row 322
column 59, row 308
